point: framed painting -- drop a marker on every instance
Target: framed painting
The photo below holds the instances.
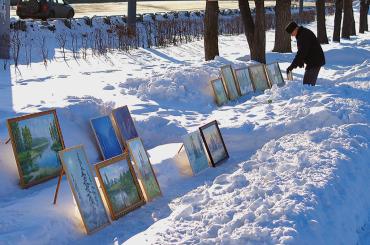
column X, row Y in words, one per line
column 219, row 91
column 120, row 187
column 85, row 191
column 144, row 169
column 274, row 74
column 244, row 81
column 214, row 143
column 259, row 78
column 124, row 124
column 36, row 140
column 106, row 137
column 195, row 151
column 227, row 75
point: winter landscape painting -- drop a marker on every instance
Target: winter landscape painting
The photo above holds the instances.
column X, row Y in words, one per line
column 229, row 80
column 214, row 142
column 36, row 140
column 244, row 81
column 120, row 185
column 144, row 169
column 125, row 124
column 274, row 74
column 84, row 188
column 106, row 137
column 219, row 91
column 194, row 149
column 259, row 78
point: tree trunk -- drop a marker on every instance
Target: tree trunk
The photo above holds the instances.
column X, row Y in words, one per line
column 347, row 19
column 366, row 20
column 353, row 23
column 300, row 6
column 254, row 31
column 363, row 15
column 282, row 18
column 211, row 30
column 321, row 25
column 337, row 20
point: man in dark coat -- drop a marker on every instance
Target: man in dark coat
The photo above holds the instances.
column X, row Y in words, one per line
column 309, row 53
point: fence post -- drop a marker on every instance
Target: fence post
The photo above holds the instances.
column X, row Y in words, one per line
column 4, row 28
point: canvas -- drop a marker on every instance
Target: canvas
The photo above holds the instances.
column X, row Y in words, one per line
column 244, row 81
column 229, row 80
column 85, row 191
column 219, row 91
column 36, row 140
column 214, row 143
column 120, row 187
column 125, row 125
column 144, row 169
column 274, row 74
column 106, row 137
column 194, row 149
column 259, row 78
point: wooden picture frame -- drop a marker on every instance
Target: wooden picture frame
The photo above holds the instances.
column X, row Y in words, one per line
column 54, row 134
column 261, row 83
column 244, row 87
column 271, row 70
column 219, row 91
column 138, row 166
column 106, row 137
column 229, row 80
column 100, row 169
column 88, row 178
column 197, row 157
column 124, row 124
column 216, row 132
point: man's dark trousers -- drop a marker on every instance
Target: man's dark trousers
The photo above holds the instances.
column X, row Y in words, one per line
column 310, row 76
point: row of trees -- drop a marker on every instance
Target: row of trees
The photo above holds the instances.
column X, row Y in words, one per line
column 255, row 30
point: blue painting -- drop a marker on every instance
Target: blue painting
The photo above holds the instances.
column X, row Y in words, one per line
column 107, row 138
column 125, row 124
column 194, row 149
column 84, row 188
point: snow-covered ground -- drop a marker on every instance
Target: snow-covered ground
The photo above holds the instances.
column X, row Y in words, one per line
column 299, row 166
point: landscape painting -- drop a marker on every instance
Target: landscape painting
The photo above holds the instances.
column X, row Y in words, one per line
column 219, row 90
column 244, row 81
column 84, row 188
column 229, row 80
column 36, row 141
column 274, row 74
column 124, row 123
column 258, row 77
column 214, row 142
column 106, row 137
column 120, row 186
column 194, row 149
column 144, row 169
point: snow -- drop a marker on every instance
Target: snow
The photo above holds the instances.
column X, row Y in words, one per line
column 298, row 168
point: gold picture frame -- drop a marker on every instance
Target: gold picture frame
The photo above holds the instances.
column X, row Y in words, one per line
column 231, row 86
column 13, row 138
column 219, row 91
column 262, row 83
column 111, row 162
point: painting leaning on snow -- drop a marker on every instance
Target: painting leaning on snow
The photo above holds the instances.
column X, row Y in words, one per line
column 219, row 91
column 244, row 81
column 194, row 150
column 106, row 137
column 274, row 74
column 119, row 184
column 214, row 142
column 124, row 123
column 229, row 80
column 144, row 169
column 84, row 189
column 36, row 140
column 259, row 78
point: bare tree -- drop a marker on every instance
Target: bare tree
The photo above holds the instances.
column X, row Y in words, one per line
column 321, row 25
column 347, row 19
column 62, row 41
column 337, row 20
column 282, row 18
column 363, row 15
column 211, row 30
column 255, row 30
column 300, row 6
column 44, row 50
column 353, row 23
